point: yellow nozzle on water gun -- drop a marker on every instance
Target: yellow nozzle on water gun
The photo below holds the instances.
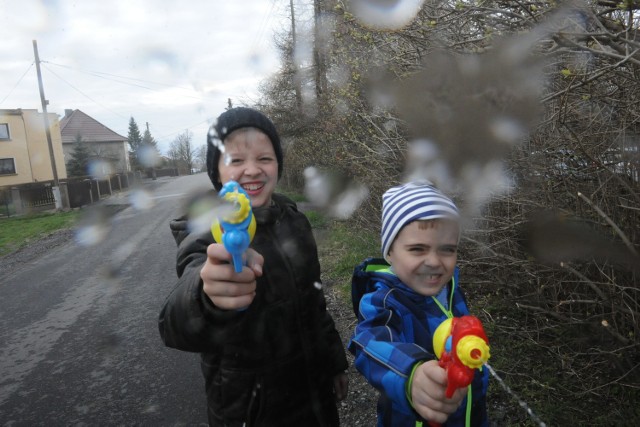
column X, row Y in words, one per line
column 243, row 207
column 472, row 351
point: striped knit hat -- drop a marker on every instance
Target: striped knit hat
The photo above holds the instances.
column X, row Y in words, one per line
column 418, row 200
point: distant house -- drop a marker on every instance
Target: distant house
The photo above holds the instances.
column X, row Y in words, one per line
column 105, row 145
column 24, row 150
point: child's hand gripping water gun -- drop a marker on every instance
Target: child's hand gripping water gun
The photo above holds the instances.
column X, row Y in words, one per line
column 235, row 230
column 461, row 346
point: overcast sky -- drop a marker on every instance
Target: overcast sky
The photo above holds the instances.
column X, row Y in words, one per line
column 171, row 64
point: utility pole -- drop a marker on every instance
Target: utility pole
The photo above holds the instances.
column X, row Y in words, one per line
column 47, row 130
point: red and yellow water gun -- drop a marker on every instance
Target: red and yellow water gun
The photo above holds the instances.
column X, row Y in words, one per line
column 461, row 346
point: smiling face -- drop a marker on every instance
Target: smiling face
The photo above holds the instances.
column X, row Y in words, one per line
column 424, row 254
column 250, row 160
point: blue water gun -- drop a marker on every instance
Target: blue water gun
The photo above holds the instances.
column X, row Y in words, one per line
column 235, row 230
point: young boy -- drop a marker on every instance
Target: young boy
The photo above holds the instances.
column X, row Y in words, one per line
column 271, row 355
column 408, row 296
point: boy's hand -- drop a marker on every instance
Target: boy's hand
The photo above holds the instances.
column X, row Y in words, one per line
column 225, row 288
column 341, row 385
column 428, row 393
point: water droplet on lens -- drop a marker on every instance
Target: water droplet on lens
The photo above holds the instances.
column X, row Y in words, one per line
column 149, row 156
column 91, row 234
column 93, row 227
column 338, row 195
column 386, row 14
column 100, row 169
column 506, row 130
column 141, row 200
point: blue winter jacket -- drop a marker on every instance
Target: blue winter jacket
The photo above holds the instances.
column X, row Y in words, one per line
column 394, row 332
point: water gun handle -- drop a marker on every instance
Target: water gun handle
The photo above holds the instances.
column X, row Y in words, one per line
column 236, row 242
column 235, row 230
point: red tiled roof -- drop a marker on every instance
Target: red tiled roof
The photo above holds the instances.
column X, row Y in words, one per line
column 90, row 129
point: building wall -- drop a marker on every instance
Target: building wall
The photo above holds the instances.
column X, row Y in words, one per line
column 28, row 147
column 15, row 148
column 114, row 153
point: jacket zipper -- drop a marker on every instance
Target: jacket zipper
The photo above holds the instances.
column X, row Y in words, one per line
column 254, row 395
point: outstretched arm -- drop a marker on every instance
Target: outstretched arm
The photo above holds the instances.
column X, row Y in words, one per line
column 189, row 320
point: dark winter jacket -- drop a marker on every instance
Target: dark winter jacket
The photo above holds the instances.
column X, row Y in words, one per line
column 394, row 332
column 272, row 364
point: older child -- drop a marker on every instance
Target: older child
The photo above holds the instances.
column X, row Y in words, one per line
column 410, row 293
column 271, row 355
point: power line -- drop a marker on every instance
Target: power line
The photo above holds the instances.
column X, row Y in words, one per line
column 17, row 83
column 103, row 106
column 104, row 76
column 263, row 27
column 99, row 73
column 130, row 81
column 83, row 94
column 187, row 127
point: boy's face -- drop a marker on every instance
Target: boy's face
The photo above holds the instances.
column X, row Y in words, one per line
column 250, row 160
column 424, row 254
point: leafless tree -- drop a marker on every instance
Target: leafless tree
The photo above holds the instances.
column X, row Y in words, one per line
column 182, row 152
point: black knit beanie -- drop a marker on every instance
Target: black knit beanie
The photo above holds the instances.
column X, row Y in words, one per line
column 234, row 119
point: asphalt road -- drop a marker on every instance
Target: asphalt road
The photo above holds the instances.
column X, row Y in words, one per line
column 79, row 342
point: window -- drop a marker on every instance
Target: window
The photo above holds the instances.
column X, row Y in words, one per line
column 4, row 130
column 7, row 167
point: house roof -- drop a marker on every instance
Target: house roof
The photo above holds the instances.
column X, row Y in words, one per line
column 76, row 122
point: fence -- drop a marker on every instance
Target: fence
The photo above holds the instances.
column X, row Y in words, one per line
column 34, row 197
column 82, row 192
column 37, row 197
column 162, row 172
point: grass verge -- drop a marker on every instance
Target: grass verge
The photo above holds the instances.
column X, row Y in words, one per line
column 17, row 232
column 341, row 248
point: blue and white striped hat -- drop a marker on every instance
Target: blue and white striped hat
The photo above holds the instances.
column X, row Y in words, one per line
column 418, row 200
